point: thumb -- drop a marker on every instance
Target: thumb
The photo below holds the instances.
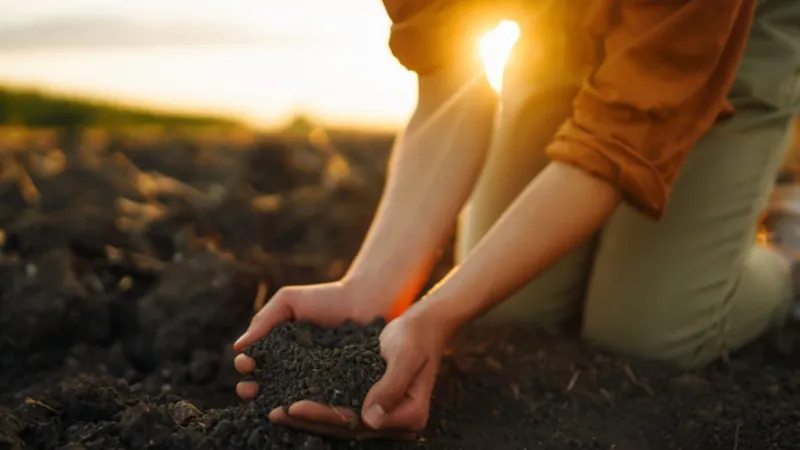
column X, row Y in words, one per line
column 391, row 389
column 277, row 310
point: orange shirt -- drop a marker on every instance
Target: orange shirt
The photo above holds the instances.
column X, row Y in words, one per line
column 655, row 73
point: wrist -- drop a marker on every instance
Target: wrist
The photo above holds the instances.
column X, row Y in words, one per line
column 376, row 293
column 439, row 327
column 437, row 313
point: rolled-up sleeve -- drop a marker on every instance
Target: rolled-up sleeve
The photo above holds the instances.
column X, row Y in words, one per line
column 429, row 34
column 662, row 82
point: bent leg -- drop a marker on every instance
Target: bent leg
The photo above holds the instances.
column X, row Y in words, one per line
column 515, row 158
column 694, row 286
column 530, row 114
column 542, row 78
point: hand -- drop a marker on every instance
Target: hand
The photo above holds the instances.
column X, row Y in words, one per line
column 327, row 305
column 398, row 405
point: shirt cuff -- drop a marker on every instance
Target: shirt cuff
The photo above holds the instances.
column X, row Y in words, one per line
column 639, row 181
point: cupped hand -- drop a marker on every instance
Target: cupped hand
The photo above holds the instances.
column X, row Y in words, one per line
column 327, row 305
column 398, row 405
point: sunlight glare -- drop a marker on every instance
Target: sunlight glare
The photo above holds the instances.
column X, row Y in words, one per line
column 495, row 48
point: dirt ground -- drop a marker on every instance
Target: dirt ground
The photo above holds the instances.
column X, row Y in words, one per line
column 129, row 265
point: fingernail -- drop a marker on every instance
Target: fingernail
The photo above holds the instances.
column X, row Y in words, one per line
column 375, row 417
column 240, row 340
column 350, row 418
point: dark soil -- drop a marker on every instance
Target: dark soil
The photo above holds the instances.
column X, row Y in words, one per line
column 302, row 361
column 122, row 290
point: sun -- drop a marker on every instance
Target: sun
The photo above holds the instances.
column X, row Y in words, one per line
column 495, row 48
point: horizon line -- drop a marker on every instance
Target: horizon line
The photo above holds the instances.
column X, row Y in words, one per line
column 285, row 121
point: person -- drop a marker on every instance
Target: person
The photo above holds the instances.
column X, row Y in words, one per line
column 620, row 178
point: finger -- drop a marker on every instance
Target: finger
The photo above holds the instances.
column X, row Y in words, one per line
column 244, row 364
column 316, row 412
column 274, row 312
column 279, row 417
column 247, row 390
column 391, row 389
column 412, row 413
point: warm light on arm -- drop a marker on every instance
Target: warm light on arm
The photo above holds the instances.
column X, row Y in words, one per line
column 495, row 48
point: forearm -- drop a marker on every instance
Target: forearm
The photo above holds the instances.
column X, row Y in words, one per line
column 560, row 209
column 435, row 164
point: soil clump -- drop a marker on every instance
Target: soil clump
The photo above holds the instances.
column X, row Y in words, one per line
column 302, row 361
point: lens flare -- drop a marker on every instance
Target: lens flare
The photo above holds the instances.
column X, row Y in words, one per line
column 495, row 49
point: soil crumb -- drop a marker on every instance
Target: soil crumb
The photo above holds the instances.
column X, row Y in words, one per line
column 302, row 361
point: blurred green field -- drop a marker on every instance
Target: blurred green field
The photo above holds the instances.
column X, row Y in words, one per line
column 33, row 108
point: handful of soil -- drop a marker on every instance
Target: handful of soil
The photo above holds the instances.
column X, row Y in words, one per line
column 303, row 361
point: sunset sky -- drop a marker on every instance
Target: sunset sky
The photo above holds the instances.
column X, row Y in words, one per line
column 262, row 60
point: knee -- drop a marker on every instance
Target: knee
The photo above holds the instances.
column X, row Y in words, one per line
column 692, row 322
column 536, row 307
column 643, row 328
column 618, row 331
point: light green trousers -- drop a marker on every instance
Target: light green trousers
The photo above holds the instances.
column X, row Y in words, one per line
column 695, row 285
